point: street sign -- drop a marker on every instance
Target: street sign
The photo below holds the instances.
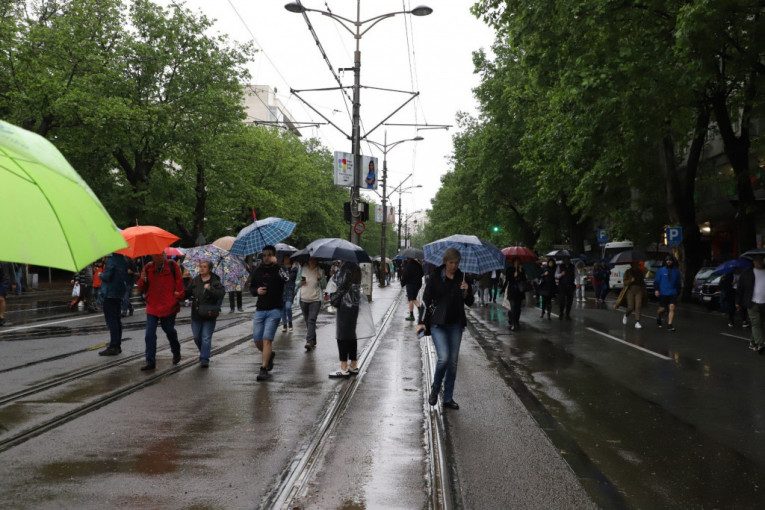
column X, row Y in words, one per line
column 602, row 236
column 674, row 237
column 359, row 228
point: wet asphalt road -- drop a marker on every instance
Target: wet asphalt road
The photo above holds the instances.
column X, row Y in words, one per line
column 558, row 415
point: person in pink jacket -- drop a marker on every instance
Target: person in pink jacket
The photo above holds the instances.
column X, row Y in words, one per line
column 162, row 283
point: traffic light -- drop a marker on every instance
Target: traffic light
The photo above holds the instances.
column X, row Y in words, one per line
column 495, row 229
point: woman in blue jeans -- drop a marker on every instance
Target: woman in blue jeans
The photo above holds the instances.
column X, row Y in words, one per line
column 205, row 289
column 449, row 292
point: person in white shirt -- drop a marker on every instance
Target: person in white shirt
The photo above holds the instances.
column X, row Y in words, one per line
column 751, row 295
column 311, row 277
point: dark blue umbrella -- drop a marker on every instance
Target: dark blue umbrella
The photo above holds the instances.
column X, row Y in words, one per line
column 332, row 249
column 730, row 266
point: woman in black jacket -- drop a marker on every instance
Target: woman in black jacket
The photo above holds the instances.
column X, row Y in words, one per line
column 515, row 278
column 449, row 292
column 347, row 300
column 206, row 291
column 547, row 288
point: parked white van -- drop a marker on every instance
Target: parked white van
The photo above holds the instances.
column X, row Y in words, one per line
column 615, row 281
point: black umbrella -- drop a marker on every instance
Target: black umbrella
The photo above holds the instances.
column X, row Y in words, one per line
column 411, row 253
column 750, row 253
column 332, row 249
column 558, row 254
column 283, row 249
column 625, row 257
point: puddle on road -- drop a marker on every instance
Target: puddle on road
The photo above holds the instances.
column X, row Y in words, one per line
column 59, row 331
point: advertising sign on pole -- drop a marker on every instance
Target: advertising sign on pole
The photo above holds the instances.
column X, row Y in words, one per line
column 343, row 168
column 391, row 215
column 368, row 174
column 378, row 213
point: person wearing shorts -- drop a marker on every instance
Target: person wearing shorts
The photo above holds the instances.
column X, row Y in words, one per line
column 267, row 284
column 7, row 276
column 667, row 284
column 411, row 279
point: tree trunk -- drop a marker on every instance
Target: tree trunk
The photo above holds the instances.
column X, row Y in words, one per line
column 574, row 226
column 137, row 174
column 737, row 149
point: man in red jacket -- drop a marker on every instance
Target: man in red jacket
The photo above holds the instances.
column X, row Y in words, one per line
column 162, row 283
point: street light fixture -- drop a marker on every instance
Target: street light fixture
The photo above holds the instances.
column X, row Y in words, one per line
column 385, row 148
column 298, row 7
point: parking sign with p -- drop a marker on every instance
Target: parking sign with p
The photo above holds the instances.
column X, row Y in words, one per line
column 674, row 237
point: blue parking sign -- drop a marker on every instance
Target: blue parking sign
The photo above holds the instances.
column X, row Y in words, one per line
column 602, row 236
column 674, row 237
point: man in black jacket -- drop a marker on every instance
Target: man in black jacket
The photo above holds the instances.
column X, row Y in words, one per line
column 412, row 280
column 751, row 295
column 267, row 283
column 567, row 277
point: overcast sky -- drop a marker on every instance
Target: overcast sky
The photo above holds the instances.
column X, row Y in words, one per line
column 430, row 54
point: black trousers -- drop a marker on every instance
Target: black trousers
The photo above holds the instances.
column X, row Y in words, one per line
column 515, row 310
column 546, row 305
column 566, row 299
column 235, row 297
column 347, row 349
column 112, row 314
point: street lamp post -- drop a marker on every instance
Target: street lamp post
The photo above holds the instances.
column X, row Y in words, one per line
column 386, row 147
column 297, row 7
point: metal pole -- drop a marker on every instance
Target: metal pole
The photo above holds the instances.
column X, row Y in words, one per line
column 384, row 205
column 356, row 133
column 399, row 221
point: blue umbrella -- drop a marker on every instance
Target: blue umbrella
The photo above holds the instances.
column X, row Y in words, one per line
column 730, row 266
column 255, row 237
column 478, row 256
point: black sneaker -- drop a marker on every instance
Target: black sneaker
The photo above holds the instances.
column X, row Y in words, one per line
column 658, row 321
column 263, row 374
column 452, row 405
column 204, row 364
column 240, row 309
column 410, row 317
column 284, row 328
column 110, row 351
column 670, row 327
column 148, row 366
column 130, row 312
column 270, row 365
column 752, row 346
column 176, row 358
column 761, row 350
column 433, row 398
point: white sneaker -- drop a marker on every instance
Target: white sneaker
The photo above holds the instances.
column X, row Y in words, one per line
column 638, row 326
column 624, row 320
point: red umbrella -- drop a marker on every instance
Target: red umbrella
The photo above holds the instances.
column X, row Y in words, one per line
column 172, row 251
column 146, row 240
column 521, row 252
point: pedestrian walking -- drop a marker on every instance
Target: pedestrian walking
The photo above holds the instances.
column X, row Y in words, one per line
column 751, row 296
column 161, row 281
column 448, row 292
column 494, row 289
column 515, row 291
column 132, row 276
column 235, row 300
column 6, row 285
column 113, row 284
column 581, row 281
column 289, row 275
column 206, row 293
column 634, row 292
column 599, row 277
column 728, row 286
column 84, row 279
column 20, row 268
column 268, row 285
column 667, row 283
column 547, row 288
column 311, row 283
column 411, row 279
column 98, row 268
column 567, row 277
column 347, row 300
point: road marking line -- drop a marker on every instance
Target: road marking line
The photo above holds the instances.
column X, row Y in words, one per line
column 631, row 345
column 55, row 322
column 734, row 336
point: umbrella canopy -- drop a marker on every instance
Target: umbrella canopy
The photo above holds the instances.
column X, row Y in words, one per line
column 478, row 256
column 253, row 238
column 521, row 252
column 750, row 253
column 332, row 249
column 146, row 240
column 231, row 269
column 224, row 242
column 284, row 249
column 172, row 251
column 51, row 217
column 411, row 253
column 558, row 254
column 628, row 256
column 730, row 266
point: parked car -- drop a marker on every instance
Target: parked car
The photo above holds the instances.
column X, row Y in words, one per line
column 710, row 292
column 703, row 275
column 651, row 266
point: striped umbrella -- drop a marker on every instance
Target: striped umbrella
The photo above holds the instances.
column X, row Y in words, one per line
column 253, row 238
column 478, row 256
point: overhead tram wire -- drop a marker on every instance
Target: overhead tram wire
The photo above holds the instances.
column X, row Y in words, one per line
column 263, row 51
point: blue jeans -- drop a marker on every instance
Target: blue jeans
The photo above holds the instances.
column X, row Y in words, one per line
column 447, row 339
column 287, row 313
column 168, row 326
column 19, row 274
column 203, row 331
column 264, row 324
column 126, row 304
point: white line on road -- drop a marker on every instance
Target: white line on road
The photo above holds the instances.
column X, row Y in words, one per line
column 52, row 323
column 630, row 345
column 735, row 336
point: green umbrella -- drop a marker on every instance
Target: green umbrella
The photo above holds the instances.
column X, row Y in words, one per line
column 50, row 216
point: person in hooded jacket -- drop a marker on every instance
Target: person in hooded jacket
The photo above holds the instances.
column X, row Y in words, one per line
column 449, row 291
column 113, row 283
column 547, row 288
column 515, row 275
column 347, row 300
column 205, row 289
